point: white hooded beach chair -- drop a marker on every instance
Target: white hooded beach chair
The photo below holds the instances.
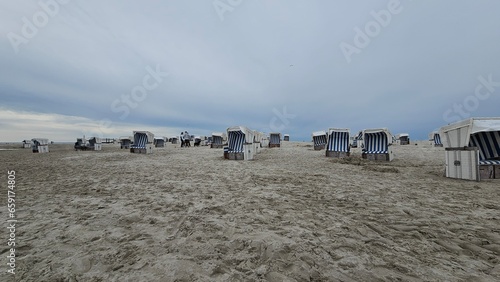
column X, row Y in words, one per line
column 197, row 141
column 286, row 137
column 274, row 139
column 435, row 139
column 472, row 148
column 217, row 140
column 357, row 141
column 338, row 145
column 95, row 143
column 143, row 142
column 240, row 144
column 125, row 142
column 159, row 142
column 319, row 140
column 403, row 139
column 26, row 144
column 376, row 143
column 40, row 145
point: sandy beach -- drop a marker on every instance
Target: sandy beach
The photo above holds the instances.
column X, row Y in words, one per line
column 187, row 214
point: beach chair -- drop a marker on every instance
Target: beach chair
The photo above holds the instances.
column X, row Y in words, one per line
column 197, row 141
column 435, row 139
column 217, row 140
column 377, row 145
column 80, row 144
column 319, row 140
column 338, row 145
column 26, row 144
column 403, row 139
column 472, row 148
column 240, row 144
column 274, row 140
column 125, row 142
column 40, row 145
column 95, row 143
column 143, row 142
column 286, row 137
column 159, row 142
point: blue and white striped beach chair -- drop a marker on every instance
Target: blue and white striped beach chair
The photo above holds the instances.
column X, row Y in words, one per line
column 319, row 140
column 217, row 140
column 376, row 144
column 488, row 144
column 143, row 142
column 437, row 140
column 239, row 144
column 274, row 140
column 338, row 143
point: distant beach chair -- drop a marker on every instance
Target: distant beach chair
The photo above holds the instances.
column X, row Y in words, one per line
column 81, row 144
column 319, row 140
column 338, row 145
column 159, row 142
column 197, row 141
column 95, row 143
column 260, row 141
column 286, row 137
column 217, row 140
column 26, row 144
column 403, row 139
column 377, row 144
column 240, row 144
column 125, row 142
column 143, row 142
column 472, row 148
column 40, row 145
column 274, row 139
column 435, row 139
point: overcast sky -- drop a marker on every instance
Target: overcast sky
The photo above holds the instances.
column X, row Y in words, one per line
column 106, row 68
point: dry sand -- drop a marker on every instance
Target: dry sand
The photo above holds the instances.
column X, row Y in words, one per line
column 186, row 214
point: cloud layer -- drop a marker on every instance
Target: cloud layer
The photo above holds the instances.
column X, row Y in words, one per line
column 413, row 66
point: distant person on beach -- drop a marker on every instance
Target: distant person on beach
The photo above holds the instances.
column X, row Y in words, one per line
column 187, row 139
column 181, row 137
